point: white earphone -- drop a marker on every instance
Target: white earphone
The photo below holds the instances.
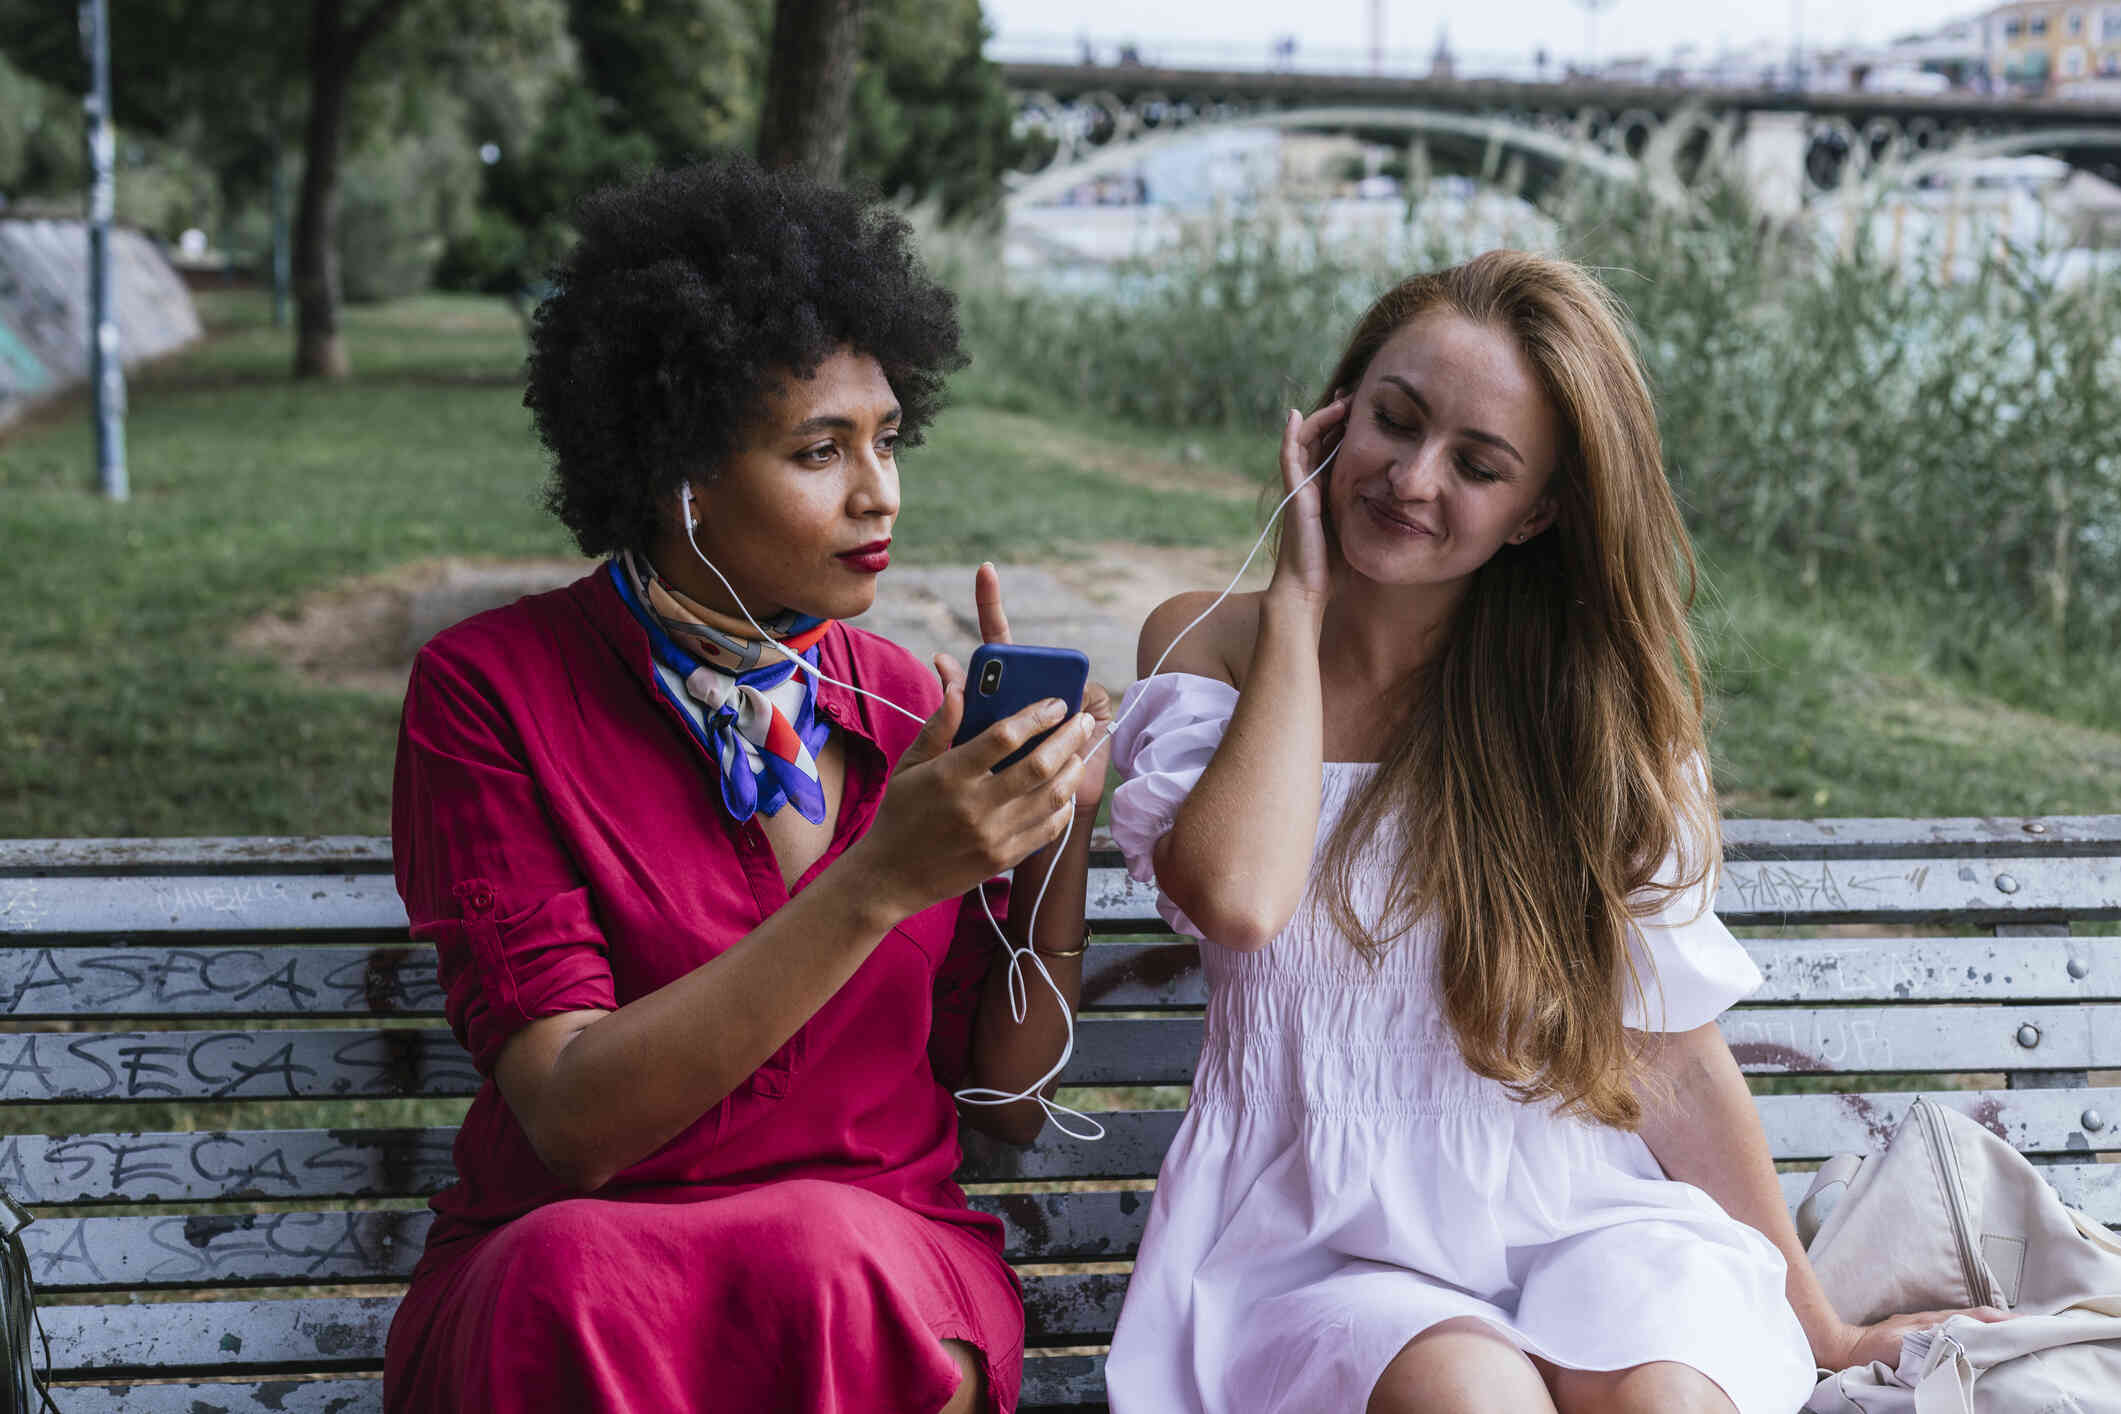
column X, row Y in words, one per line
column 1018, row 997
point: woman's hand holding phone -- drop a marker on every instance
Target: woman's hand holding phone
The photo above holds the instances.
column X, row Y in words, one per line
column 949, row 820
column 994, row 628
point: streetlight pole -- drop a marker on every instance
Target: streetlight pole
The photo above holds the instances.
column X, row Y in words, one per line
column 1796, row 43
column 1590, row 27
column 106, row 371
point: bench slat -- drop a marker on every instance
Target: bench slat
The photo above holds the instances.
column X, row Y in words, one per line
column 66, row 983
column 1784, row 1040
column 1095, row 1227
column 1903, row 839
column 1957, row 890
column 175, row 1251
column 1766, row 1040
column 1799, row 1128
column 1963, row 888
column 316, row 1164
column 234, row 1065
column 1133, row 1147
column 232, row 854
column 208, row 904
column 339, row 1396
column 309, row 1248
column 143, row 1253
column 2042, row 1122
column 207, row 1166
column 1072, row 1308
column 414, row 1062
column 170, row 1338
column 1050, row 1383
column 399, row 980
column 1147, row 976
column 1055, row 1383
column 1742, row 838
column 2095, row 1188
column 346, row 1333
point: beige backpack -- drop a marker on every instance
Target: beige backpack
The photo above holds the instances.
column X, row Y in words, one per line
column 1951, row 1215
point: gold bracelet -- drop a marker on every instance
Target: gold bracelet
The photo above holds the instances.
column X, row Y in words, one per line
column 1076, row 951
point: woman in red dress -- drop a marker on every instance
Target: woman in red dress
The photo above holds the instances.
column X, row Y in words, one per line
column 701, row 917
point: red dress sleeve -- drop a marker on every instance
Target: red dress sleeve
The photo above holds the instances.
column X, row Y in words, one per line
column 959, row 982
column 483, row 875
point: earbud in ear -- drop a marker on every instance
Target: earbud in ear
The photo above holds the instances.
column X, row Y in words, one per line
column 692, row 522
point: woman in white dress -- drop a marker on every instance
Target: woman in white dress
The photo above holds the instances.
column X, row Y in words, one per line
column 1463, row 1134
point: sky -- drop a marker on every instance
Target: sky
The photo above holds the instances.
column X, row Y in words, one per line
column 1493, row 26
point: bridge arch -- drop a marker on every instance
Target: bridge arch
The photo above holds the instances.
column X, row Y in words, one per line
column 2076, row 145
column 1114, row 144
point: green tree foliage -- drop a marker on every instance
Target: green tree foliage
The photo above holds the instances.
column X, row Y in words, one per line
column 41, row 142
column 683, row 74
column 520, row 226
column 659, row 82
column 931, row 115
column 220, row 77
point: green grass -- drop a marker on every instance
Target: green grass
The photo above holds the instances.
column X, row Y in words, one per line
column 124, row 709
column 1823, row 705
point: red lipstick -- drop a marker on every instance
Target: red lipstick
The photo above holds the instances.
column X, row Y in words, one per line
column 873, row 558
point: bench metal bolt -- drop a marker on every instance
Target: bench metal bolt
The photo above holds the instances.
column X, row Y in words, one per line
column 2007, row 883
column 2093, row 1120
column 2079, row 968
column 2028, row 1035
column 2034, row 827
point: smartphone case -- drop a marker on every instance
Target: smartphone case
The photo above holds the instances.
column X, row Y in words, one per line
column 1029, row 674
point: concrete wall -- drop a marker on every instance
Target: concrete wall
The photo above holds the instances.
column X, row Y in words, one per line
column 44, row 308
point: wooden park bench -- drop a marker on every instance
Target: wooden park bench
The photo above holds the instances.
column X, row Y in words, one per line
column 256, row 1269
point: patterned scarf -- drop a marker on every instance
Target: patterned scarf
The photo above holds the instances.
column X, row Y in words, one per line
column 757, row 713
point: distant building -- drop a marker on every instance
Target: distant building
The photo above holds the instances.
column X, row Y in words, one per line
column 2053, row 46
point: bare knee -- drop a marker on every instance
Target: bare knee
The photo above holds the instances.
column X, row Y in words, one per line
column 972, row 1382
column 1661, row 1387
column 1459, row 1366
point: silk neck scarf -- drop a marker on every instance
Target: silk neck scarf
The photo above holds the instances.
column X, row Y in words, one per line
column 757, row 713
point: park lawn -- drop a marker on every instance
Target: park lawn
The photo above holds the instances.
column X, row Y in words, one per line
column 125, row 710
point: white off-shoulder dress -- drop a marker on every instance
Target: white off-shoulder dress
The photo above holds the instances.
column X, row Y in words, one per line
column 1342, row 1181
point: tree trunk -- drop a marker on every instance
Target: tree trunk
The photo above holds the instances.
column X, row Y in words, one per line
column 318, row 350
column 334, row 47
column 810, row 85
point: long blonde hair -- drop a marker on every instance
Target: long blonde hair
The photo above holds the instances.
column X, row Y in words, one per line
column 1549, row 762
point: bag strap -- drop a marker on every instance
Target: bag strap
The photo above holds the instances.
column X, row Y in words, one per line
column 2094, row 1231
column 1828, row 1185
column 22, row 1390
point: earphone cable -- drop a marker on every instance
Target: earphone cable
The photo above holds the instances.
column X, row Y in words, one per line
column 1017, row 986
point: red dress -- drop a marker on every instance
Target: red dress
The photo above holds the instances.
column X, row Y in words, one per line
column 559, row 836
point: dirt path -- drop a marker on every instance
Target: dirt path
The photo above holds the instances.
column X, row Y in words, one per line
column 361, row 635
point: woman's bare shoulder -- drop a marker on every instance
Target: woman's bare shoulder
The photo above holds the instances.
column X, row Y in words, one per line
column 1219, row 647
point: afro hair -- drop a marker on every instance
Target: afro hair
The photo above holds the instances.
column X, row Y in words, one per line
column 692, row 294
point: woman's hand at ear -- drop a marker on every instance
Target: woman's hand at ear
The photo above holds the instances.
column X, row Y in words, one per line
column 1300, row 568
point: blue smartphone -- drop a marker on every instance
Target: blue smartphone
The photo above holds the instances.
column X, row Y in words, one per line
column 1005, row 678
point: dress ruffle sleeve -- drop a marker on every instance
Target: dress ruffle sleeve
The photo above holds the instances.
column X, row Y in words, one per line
column 1169, row 728
column 1690, row 968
